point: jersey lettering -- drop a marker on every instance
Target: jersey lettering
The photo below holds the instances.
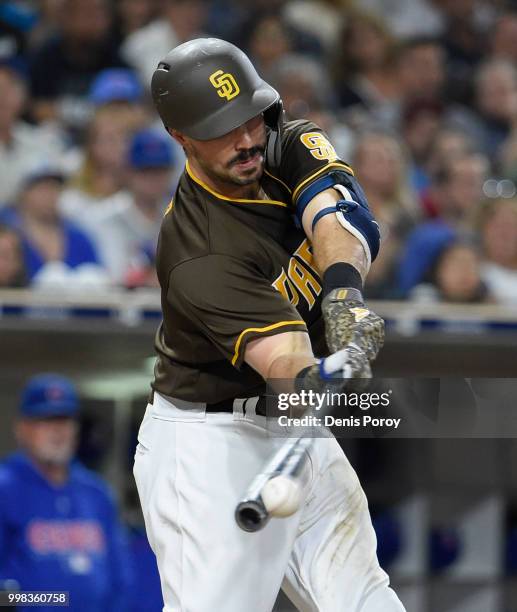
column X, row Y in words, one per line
column 61, row 536
column 299, row 278
column 284, row 285
column 304, row 281
column 309, row 285
column 304, row 252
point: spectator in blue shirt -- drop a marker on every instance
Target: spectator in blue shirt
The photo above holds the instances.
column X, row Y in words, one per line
column 458, row 189
column 59, row 529
column 46, row 236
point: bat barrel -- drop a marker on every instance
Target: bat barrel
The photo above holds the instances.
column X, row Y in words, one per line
column 251, row 515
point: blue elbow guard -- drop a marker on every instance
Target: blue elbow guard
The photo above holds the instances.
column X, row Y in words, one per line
column 352, row 212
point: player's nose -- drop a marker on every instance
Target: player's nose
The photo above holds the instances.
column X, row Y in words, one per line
column 243, row 138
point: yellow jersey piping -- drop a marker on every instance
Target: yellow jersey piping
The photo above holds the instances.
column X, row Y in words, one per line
column 260, row 330
column 275, row 178
column 222, row 197
column 170, row 206
column 320, row 171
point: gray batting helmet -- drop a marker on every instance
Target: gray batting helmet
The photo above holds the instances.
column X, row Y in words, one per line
column 207, row 87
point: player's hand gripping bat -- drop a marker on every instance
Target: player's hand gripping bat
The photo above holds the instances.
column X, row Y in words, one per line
column 278, row 488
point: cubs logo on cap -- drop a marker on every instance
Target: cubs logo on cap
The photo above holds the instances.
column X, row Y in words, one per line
column 49, row 395
column 150, row 149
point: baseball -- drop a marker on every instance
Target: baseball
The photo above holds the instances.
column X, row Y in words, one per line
column 281, row 496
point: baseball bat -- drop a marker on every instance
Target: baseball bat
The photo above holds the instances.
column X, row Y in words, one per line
column 277, row 488
column 256, row 507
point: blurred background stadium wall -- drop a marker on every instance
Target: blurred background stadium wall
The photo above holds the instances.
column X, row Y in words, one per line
column 420, row 96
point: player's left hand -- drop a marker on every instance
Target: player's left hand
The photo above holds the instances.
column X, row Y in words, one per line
column 347, row 369
column 347, row 317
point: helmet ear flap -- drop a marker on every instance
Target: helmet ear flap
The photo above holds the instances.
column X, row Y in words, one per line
column 274, row 120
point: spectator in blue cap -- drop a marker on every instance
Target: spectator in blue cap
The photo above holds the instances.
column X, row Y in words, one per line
column 47, row 429
column 49, row 395
column 114, row 85
column 149, row 191
column 47, row 237
column 149, row 149
column 59, row 529
column 125, row 228
column 120, row 89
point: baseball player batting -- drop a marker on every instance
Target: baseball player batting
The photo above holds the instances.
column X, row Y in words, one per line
column 261, row 261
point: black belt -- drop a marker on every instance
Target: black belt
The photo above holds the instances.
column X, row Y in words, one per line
column 227, row 406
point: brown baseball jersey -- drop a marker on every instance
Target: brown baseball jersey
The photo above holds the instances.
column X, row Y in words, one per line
column 232, row 270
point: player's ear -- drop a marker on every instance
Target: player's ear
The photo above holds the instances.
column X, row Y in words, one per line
column 178, row 137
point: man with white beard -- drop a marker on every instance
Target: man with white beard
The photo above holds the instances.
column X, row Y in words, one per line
column 59, row 529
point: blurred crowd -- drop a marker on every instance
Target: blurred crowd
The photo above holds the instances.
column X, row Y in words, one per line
column 420, row 96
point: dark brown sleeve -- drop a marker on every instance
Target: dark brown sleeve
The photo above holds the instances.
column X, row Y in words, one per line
column 307, row 153
column 230, row 303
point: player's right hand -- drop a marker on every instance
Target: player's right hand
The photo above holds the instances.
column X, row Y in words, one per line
column 346, row 317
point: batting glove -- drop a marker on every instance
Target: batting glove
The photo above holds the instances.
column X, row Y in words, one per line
column 346, row 318
column 345, row 368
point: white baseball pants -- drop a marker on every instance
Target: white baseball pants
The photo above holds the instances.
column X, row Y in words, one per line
column 191, row 469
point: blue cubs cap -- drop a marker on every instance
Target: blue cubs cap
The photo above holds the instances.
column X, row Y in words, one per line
column 150, row 149
column 49, row 395
column 115, row 84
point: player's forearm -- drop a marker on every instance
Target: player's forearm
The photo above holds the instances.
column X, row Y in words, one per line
column 281, row 356
column 287, row 367
column 343, row 244
column 334, row 244
column 331, row 242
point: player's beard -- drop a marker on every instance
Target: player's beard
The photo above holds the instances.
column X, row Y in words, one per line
column 227, row 174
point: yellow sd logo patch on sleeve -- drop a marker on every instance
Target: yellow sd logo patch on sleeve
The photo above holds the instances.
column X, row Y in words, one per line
column 319, row 146
column 225, row 84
